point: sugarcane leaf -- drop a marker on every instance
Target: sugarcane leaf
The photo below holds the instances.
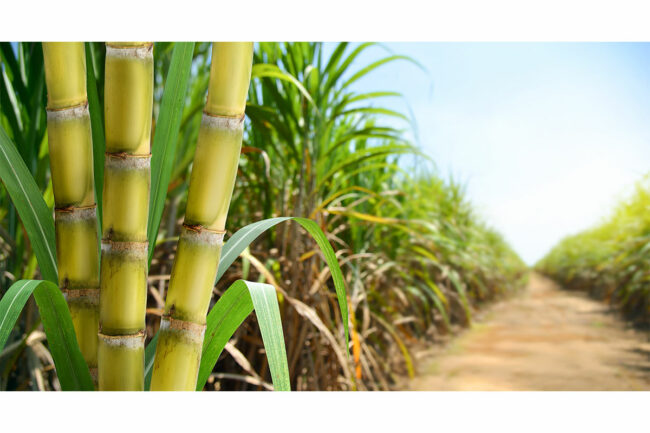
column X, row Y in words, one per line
column 232, row 308
column 234, row 305
column 71, row 368
column 223, row 320
column 375, row 65
column 458, row 285
column 11, row 305
column 245, row 236
column 242, row 239
column 8, row 99
column 166, row 134
column 267, row 311
column 335, row 73
column 408, row 360
column 335, row 269
column 31, row 207
column 227, row 315
column 264, row 70
column 97, row 128
column 149, row 354
column 9, row 60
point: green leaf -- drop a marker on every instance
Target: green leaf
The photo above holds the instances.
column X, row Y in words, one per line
column 244, row 237
column 71, row 368
column 97, row 128
column 374, row 66
column 455, row 279
column 166, row 134
column 232, row 308
column 149, row 354
column 31, row 207
column 264, row 70
column 267, row 310
column 228, row 314
column 7, row 54
column 239, row 300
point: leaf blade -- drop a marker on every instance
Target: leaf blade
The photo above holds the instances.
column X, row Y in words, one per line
column 246, row 235
column 166, row 135
column 97, row 132
column 31, row 207
column 71, row 368
column 267, row 310
column 149, row 354
column 239, row 300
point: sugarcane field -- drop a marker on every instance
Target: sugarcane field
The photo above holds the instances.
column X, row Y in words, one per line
column 324, row 216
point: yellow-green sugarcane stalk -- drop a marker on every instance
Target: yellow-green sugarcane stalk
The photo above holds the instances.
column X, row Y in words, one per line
column 128, row 104
column 71, row 162
column 182, row 328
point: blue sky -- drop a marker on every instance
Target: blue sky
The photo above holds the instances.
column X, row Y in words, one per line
column 547, row 137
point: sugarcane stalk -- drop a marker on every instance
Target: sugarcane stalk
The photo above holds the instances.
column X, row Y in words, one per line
column 211, row 185
column 128, row 104
column 71, row 163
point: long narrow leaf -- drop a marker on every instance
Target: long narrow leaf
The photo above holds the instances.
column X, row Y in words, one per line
column 97, row 128
column 71, row 368
column 149, row 354
column 267, row 311
column 30, row 205
column 239, row 300
column 232, row 308
column 244, row 237
column 166, row 135
column 229, row 312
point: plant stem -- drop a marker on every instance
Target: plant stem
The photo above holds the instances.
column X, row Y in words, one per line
column 178, row 353
column 71, row 160
column 123, row 296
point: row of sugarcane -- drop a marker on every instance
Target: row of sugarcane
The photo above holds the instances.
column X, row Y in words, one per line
column 610, row 261
column 107, row 296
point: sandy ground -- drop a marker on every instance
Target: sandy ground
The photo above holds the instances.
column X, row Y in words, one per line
column 542, row 339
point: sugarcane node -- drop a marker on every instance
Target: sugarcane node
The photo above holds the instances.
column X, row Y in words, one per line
column 72, row 208
column 110, row 246
column 141, row 51
column 199, row 234
column 81, row 294
column 131, row 341
column 178, row 324
column 200, row 228
column 75, row 213
column 124, row 45
column 125, row 155
column 73, row 108
column 192, row 331
column 234, row 123
column 221, row 116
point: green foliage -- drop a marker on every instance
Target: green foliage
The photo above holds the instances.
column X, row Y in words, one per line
column 407, row 255
column 242, row 297
column 414, row 255
column 95, row 109
column 166, row 134
column 223, row 321
column 31, row 207
column 70, row 366
column 243, row 238
column 232, row 308
column 610, row 260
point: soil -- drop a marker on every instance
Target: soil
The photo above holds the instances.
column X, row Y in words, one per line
column 544, row 338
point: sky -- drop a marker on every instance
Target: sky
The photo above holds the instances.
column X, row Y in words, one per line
column 546, row 137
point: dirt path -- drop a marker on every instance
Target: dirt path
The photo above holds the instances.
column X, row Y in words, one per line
column 542, row 339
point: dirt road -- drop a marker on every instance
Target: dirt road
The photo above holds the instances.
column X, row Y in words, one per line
column 542, row 339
